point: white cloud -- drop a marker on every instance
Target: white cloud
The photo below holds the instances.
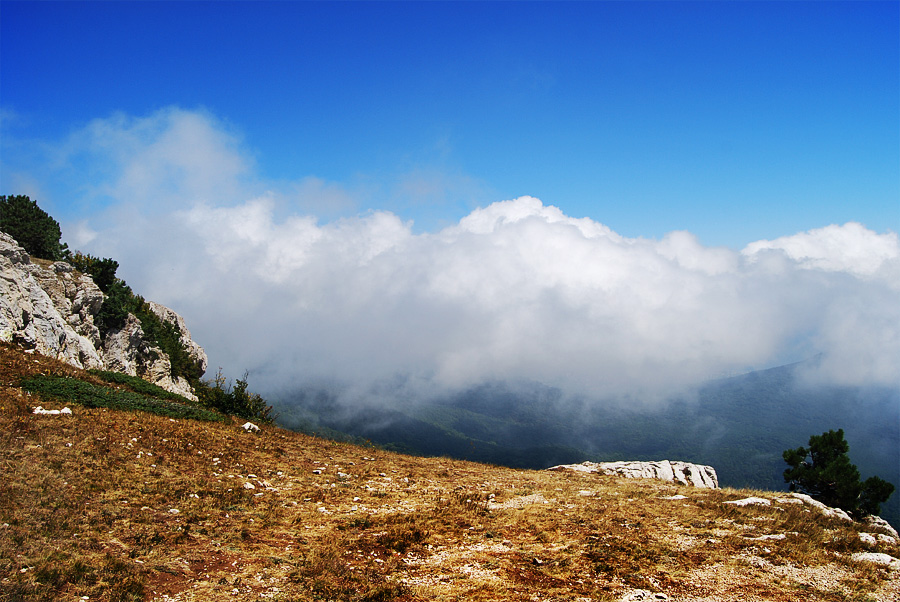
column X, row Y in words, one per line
column 519, row 291
column 849, row 248
column 167, row 159
column 514, row 290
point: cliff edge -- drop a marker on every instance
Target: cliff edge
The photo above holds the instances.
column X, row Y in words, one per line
column 51, row 308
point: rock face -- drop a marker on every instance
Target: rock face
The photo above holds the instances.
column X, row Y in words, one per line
column 684, row 473
column 52, row 310
column 49, row 310
column 194, row 350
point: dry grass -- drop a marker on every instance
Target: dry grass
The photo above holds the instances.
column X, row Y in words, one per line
column 129, row 506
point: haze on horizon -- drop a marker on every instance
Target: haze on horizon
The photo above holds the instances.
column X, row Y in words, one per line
column 616, row 200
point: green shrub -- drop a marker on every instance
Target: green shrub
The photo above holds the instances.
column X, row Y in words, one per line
column 71, row 390
column 32, row 227
column 138, row 385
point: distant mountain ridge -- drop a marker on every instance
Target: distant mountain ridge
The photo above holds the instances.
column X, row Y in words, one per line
column 739, row 425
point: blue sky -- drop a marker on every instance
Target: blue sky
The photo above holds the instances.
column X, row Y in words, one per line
column 617, row 198
column 735, row 121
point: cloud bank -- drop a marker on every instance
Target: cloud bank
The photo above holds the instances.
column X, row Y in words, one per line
column 516, row 290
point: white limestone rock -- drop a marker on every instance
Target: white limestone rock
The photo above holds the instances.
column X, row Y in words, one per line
column 879, row 523
column 41, row 411
column 750, row 501
column 868, row 539
column 826, row 510
column 876, row 558
column 684, row 473
column 10, row 249
column 127, row 351
column 48, row 310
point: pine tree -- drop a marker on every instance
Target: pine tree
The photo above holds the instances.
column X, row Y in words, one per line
column 32, row 227
column 824, row 472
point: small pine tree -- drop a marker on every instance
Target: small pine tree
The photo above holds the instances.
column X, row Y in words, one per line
column 102, row 271
column 219, row 395
column 32, row 227
column 824, row 472
column 117, row 304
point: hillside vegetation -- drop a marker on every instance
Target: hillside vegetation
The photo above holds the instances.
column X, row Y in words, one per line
column 122, row 504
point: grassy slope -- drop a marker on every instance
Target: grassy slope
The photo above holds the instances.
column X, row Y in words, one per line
column 120, row 505
column 739, row 425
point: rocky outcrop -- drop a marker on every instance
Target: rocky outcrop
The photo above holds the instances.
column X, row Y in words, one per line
column 684, row 473
column 51, row 308
column 194, row 350
column 127, row 351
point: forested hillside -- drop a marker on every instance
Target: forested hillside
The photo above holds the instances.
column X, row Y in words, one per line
column 739, row 425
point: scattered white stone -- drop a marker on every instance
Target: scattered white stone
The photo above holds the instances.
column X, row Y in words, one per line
column 776, row 537
column 674, row 497
column 643, row 595
column 877, row 558
column 868, row 538
column 750, row 501
column 249, row 426
column 249, row 486
column 63, row 412
column 174, row 511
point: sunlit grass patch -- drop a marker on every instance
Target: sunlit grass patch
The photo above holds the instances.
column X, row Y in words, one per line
column 109, row 504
